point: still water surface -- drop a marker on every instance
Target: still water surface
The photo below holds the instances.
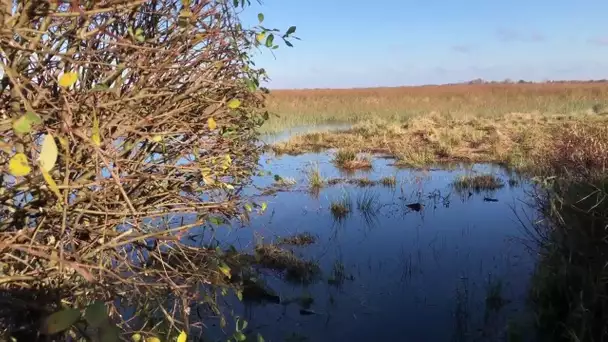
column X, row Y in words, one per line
column 456, row 270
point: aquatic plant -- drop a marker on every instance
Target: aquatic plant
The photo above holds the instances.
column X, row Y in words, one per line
column 283, row 260
column 368, row 202
column 349, row 160
column 314, row 177
column 390, row 181
column 569, row 289
column 341, row 208
column 301, row 239
column 477, row 183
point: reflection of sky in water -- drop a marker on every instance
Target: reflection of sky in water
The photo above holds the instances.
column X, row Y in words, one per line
column 407, row 266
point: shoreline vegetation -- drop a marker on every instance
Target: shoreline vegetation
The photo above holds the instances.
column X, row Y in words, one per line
column 527, row 127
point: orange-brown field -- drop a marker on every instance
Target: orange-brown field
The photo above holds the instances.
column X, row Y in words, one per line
column 322, row 106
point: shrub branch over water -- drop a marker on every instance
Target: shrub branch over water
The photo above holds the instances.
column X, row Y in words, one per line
column 115, row 115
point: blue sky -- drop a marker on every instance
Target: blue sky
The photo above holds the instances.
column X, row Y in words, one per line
column 359, row 43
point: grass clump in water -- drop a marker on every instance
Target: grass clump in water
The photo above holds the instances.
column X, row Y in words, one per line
column 368, row 202
column 314, row 177
column 302, row 239
column 341, row 208
column 349, row 160
column 283, row 260
column 390, row 181
column 478, row 183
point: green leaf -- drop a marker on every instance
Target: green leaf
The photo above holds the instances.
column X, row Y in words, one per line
column 216, row 220
column 96, row 314
column 248, row 207
column 243, row 326
column 239, row 336
column 269, row 40
column 59, row 321
column 264, row 206
column 225, row 269
column 260, row 17
column 22, row 125
column 260, row 338
column 288, row 43
column 239, row 295
column 250, row 85
column 291, row 30
column 33, row 118
column 139, row 35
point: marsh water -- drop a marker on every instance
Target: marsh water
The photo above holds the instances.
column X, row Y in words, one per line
column 423, row 263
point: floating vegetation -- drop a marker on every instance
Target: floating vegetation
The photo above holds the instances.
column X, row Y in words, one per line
column 341, row 208
column 283, row 260
column 349, row 160
column 361, row 182
column 284, row 181
column 478, row 183
column 302, row 239
column 390, row 181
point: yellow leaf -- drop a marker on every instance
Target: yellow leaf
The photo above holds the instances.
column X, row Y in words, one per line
column 211, row 123
column 260, row 36
column 182, row 337
column 227, row 162
column 48, row 154
column 136, row 337
column 18, row 165
column 157, row 138
column 234, row 103
column 95, row 136
column 51, row 182
column 205, row 172
column 152, row 339
column 225, row 269
column 68, row 79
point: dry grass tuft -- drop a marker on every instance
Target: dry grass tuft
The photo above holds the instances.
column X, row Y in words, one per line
column 478, row 183
column 341, row 208
column 349, row 160
column 302, row 239
column 283, row 260
column 390, row 181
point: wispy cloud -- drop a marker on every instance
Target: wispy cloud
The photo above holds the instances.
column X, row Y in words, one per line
column 507, row 35
column 462, row 48
column 600, row 41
